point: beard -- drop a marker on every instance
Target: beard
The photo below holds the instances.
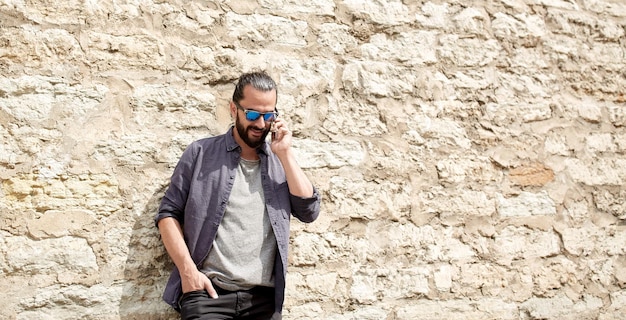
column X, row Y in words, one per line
column 243, row 134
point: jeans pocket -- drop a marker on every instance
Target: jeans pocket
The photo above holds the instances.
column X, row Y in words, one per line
column 187, row 295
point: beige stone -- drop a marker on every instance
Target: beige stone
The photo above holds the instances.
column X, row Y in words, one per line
column 533, row 174
column 470, row 155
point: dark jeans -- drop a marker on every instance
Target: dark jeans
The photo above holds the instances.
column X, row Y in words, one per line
column 254, row 304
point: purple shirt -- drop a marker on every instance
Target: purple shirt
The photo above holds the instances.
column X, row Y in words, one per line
column 198, row 194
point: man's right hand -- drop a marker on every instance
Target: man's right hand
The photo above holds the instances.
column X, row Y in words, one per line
column 197, row 281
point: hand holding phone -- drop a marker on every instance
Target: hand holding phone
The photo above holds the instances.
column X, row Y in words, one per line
column 280, row 137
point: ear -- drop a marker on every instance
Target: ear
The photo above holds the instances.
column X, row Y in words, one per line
column 233, row 109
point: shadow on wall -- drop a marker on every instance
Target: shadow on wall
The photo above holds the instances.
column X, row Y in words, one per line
column 147, row 269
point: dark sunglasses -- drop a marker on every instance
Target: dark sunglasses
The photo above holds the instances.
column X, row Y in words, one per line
column 252, row 115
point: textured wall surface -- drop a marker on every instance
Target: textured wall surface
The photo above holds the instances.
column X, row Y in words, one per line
column 471, row 154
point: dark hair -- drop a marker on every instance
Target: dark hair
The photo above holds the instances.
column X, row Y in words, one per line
column 258, row 80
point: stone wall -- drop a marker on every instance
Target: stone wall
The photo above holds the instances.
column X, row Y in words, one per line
column 471, row 154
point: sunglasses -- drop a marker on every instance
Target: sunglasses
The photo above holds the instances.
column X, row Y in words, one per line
column 252, row 115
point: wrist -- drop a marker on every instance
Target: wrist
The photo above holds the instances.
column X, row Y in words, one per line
column 187, row 269
column 285, row 155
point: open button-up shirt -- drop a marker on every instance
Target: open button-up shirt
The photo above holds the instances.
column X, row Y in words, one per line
column 198, row 194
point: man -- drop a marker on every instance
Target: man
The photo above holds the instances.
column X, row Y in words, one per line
column 224, row 219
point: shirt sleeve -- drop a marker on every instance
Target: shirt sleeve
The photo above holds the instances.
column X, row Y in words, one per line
column 173, row 202
column 306, row 209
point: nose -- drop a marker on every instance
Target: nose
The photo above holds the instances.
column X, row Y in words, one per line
column 261, row 121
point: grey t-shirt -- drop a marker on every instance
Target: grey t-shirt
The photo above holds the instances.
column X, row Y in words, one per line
column 244, row 249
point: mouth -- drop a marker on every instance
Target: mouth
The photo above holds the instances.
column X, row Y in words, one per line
column 256, row 132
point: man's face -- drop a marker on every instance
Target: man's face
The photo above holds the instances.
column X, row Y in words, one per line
column 253, row 133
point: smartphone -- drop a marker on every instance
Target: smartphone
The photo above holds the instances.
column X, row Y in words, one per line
column 273, row 130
